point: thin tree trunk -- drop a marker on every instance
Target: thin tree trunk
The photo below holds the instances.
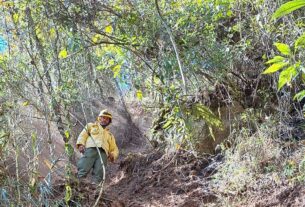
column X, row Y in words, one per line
column 55, row 105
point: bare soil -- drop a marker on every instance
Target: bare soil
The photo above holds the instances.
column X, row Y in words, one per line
column 152, row 179
column 144, row 176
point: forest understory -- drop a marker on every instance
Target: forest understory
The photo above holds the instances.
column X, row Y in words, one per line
column 257, row 171
column 206, row 100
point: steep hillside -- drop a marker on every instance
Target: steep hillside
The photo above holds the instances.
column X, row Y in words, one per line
column 207, row 99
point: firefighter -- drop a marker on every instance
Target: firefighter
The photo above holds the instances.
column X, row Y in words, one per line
column 96, row 142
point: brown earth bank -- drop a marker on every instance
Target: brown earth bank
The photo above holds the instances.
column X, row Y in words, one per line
column 179, row 179
column 152, row 179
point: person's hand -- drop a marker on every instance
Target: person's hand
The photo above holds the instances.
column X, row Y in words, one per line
column 111, row 157
column 81, row 148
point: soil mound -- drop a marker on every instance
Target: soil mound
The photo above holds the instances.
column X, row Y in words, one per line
column 152, row 179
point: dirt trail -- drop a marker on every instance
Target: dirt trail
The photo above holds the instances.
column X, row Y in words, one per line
column 156, row 179
column 152, row 179
column 143, row 176
column 146, row 177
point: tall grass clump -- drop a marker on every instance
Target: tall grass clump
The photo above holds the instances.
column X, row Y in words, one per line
column 255, row 155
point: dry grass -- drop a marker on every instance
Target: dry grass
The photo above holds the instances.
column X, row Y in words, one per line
column 252, row 165
column 257, row 165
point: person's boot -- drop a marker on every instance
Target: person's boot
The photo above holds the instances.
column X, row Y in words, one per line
column 84, row 184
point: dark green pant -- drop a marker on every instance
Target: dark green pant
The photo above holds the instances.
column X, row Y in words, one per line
column 91, row 159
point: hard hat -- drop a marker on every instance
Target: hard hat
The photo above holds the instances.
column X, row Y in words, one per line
column 105, row 113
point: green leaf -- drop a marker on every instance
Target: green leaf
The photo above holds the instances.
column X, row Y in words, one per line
column 300, row 42
column 111, row 62
column 25, row 103
column 286, row 76
column 139, row 95
column 156, row 80
column 202, row 112
column 283, row 48
column 299, row 96
column 108, row 29
column 69, row 150
column 1, row 58
column 15, row 17
column 199, row 2
column 116, row 70
column 167, row 124
column 275, row 67
column 288, row 8
column 276, row 59
column 96, row 38
column 34, row 141
column 39, row 32
column 63, row 54
column 52, row 33
column 68, row 194
column 67, row 134
column 100, row 67
column 3, row 138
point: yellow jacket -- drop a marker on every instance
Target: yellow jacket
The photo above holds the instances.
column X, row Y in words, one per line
column 95, row 135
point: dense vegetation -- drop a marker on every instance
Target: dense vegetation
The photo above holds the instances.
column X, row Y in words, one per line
column 191, row 62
